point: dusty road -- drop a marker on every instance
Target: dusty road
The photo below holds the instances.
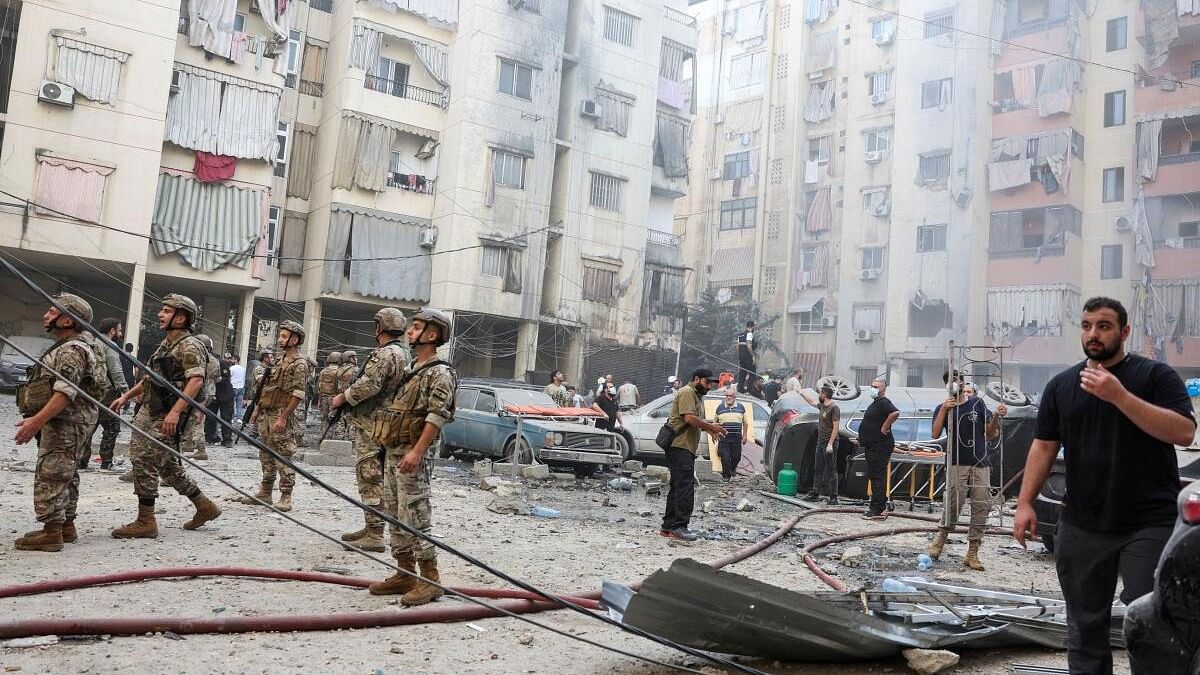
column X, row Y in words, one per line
column 601, row 535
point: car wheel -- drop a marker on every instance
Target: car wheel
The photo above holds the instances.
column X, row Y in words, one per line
column 1008, row 395
column 625, row 446
column 518, row 450
column 842, row 389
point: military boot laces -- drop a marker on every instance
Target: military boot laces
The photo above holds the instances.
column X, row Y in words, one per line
column 424, row 592
column 48, row 539
column 145, row 527
column 372, row 539
column 400, row 583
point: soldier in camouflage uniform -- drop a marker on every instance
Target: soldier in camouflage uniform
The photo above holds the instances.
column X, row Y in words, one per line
column 408, row 428
column 375, row 386
column 274, row 416
column 327, row 385
column 194, row 441
column 346, row 375
column 181, row 360
column 62, row 420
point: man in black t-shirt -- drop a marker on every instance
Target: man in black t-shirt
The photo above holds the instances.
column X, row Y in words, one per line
column 825, row 470
column 875, row 437
column 1119, row 416
column 747, row 349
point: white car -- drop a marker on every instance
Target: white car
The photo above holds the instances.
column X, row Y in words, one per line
column 642, row 424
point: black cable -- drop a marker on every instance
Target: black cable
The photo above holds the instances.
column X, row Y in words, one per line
column 389, row 518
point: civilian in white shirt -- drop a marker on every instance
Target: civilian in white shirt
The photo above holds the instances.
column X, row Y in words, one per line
column 237, row 378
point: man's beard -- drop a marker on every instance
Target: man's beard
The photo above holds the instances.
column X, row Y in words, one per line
column 701, row 390
column 1105, row 352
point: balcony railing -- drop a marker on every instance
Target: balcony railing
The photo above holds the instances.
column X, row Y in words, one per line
column 1035, row 252
column 681, row 17
column 411, row 182
column 662, row 238
column 322, row 5
column 312, row 88
column 1185, row 158
column 401, row 89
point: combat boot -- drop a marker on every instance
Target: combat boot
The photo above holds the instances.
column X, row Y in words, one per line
column 48, row 539
column 372, row 539
column 69, row 535
column 425, row 592
column 145, row 527
column 939, row 543
column 200, row 454
column 126, row 477
column 400, row 583
column 205, row 511
column 972, row 559
column 285, row 500
column 263, row 495
column 357, row 534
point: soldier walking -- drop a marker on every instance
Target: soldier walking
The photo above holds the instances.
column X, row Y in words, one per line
column 62, row 420
column 195, row 441
column 180, row 359
column 346, row 374
column 377, row 384
column 409, row 428
column 282, row 393
column 115, row 386
column 327, row 385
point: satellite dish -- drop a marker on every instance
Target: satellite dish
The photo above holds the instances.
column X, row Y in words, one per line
column 724, row 295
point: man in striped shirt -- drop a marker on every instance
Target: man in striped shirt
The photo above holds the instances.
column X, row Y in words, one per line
column 733, row 417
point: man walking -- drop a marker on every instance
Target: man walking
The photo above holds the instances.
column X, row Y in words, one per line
column 732, row 416
column 164, row 416
column 687, row 421
column 237, row 380
column 875, row 437
column 747, row 351
column 825, row 473
column 795, row 381
column 556, row 391
column 1118, row 415
column 53, row 408
column 366, row 395
column 220, row 406
column 115, row 385
column 628, row 396
column 969, row 474
column 274, row 416
column 195, row 438
column 422, row 407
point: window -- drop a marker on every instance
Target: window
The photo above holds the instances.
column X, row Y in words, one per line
column 929, row 319
column 811, row 321
column 1116, row 33
column 464, row 399
column 935, row 167
column 391, row 77
column 738, row 214
column 486, row 403
column 1189, row 229
column 494, row 260
column 1029, row 11
column 879, row 84
column 937, row 93
column 878, row 140
column 863, row 375
column 770, row 280
column 615, row 109
column 875, row 201
column 281, row 142
column 508, row 169
column 1111, row 258
column 939, row 23
column 747, row 69
column 931, row 238
column 1114, row 184
column 312, row 71
column 872, row 259
column 606, row 192
column 915, row 377
column 273, row 236
column 619, row 27
column 599, row 283
column 737, row 165
column 1114, row 108
column 883, row 29
column 239, row 23
column 1195, row 71
column 322, row 5
column 818, row 149
column 295, row 40
column 868, row 318
column 516, row 80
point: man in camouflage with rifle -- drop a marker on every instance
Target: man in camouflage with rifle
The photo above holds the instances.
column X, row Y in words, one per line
column 346, row 375
column 327, row 385
column 164, row 416
column 365, row 395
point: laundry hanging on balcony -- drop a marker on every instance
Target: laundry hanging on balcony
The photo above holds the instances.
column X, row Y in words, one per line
column 1060, row 81
column 210, row 168
column 671, row 145
column 1149, row 145
column 819, row 106
column 1048, row 307
column 94, row 72
column 820, row 211
column 209, row 225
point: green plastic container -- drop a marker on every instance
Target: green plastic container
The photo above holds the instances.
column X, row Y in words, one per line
column 785, row 484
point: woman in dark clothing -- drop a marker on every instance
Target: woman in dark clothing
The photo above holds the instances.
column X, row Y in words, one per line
column 606, row 402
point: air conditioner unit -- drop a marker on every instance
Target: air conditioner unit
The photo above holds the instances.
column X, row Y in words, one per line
column 862, row 335
column 57, row 94
column 427, row 149
column 878, row 99
column 816, row 74
column 828, row 321
column 714, row 174
column 1122, row 224
column 868, row 275
column 873, row 156
column 590, row 109
column 429, row 237
column 175, row 81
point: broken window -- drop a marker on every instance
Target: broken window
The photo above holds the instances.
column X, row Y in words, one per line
column 928, row 319
column 273, row 236
column 879, row 84
column 606, row 192
column 937, row 93
column 811, row 321
column 818, row 149
column 875, row 201
column 599, row 284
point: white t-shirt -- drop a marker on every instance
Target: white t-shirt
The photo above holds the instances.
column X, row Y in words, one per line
column 237, row 376
column 627, row 394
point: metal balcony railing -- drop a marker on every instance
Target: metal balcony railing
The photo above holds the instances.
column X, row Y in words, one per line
column 662, row 238
column 1053, row 251
column 311, row 88
column 401, row 89
column 680, row 17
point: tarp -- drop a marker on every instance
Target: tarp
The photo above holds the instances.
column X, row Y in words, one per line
column 440, row 13
column 1049, row 306
column 820, row 212
column 223, row 115
column 732, row 267
column 819, row 106
column 72, row 189
column 1149, row 145
column 210, row 225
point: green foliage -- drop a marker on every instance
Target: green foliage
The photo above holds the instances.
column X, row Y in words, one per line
column 710, row 334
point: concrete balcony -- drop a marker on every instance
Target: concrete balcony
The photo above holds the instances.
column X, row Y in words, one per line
column 1177, row 263
column 1057, row 264
column 1034, row 194
column 412, row 105
column 1047, row 349
column 1166, row 93
column 667, row 186
column 680, row 26
column 1022, row 121
column 1177, row 174
column 1040, row 40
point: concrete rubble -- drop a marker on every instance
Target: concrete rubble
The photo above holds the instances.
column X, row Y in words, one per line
column 930, row 661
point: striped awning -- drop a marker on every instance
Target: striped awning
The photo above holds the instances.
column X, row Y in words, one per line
column 732, row 267
column 210, row 225
column 805, row 302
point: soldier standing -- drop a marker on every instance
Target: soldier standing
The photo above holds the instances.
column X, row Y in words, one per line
column 327, row 385
column 195, row 440
column 180, row 359
column 282, row 393
column 116, row 384
column 413, row 421
column 377, row 384
column 54, row 409
column 347, row 373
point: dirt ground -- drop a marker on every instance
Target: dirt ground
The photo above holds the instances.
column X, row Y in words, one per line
column 600, row 535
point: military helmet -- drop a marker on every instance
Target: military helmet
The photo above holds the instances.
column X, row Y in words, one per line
column 349, row 354
column 435, row 317
column 181, row 302
column 391, row 320
column 333, row 358
column 76, row 305
column 206, row 341
column 293, row 328
column 265, row 353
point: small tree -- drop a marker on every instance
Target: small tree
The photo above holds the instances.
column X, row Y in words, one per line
column 711, row 330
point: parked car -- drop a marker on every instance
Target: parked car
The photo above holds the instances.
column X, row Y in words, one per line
column 488, row 416
column 14, row 364
column 1162, row 628
column 642, row 424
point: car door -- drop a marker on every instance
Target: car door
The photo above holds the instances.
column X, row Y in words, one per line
column 485, row 433
column 454, row 434
column 651, row 422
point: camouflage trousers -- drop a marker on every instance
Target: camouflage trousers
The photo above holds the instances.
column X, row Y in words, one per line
column 406, row 496
column 193, row 435
column 323, row 404
column 283, row 443
column 368, row 471
column 152, row 463
column 56, row 477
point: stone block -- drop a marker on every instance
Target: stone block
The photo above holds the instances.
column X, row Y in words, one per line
column 506, row 469
column 333, row 446
column 538, row 471
column 563, row 477
column 483, row 468
column 853, row 556
column 490, row 482
column 704, row 471
column 930, row 661
column 657, row 472
column 633, row 465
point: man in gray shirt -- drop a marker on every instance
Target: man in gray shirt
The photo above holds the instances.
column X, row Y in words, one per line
column 116, row 386
column 825, row 474
column 628, row 396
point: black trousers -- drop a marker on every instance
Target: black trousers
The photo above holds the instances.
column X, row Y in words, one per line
column 1088, row 564
column 681, row 497
column 730, row 450
column 877, row 457
column 745, row 374
column 108, row 441
column 224, row 408
column 825, row 472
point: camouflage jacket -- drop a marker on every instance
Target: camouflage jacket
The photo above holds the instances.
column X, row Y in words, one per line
column 377, row 384
column 429, row 395
column 327, row 381
column 212, row 373
column 558, row 393
column 288, row 379
column 74, row 359
column 346, row 374
column 190, row 360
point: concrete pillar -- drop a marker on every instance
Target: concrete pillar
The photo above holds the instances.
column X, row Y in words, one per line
column 312, row 327
column 216, row 320
column 246, row 325
column 527, row 340
column 133, row 317
column 573, row 367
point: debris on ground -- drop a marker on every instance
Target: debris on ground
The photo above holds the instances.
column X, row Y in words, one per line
column 853, row 556
column 930, row 661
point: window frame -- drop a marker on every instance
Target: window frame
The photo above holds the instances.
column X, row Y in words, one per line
column 1113, row 34
column 295, row 54
column 934, row 20
column 742, row 206
column 874, row 78
column 925, row 104
column 612, row 16
column 812, row 321
column 1111, row 111
column 755, row 76
column 824, row 149
column 516, row 67
column 929, row 233
column 493, row 255
column 283, row 138
column 607, row 188
column 503, row 164
column 1117, row 191
column 1112, row 267
column 591, row 289
column 736, row 160
column 876, row 308
column 274, row 217
column 874, row 136
column 389, row 71
column 877, row 255
column 929, row 156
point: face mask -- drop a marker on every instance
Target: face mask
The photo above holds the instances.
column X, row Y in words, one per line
column 612, row 390
column 874, row 392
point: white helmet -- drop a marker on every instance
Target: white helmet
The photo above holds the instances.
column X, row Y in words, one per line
column 671, row 380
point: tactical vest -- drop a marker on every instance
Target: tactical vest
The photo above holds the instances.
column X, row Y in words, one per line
column 35, row 394
column 402, row 422
column 327, row 381
column 161, row 399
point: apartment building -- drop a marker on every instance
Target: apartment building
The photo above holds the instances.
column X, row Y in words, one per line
column 513, row 161
column 916, row 173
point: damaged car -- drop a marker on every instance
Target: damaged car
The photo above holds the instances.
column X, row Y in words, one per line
column 641, row 425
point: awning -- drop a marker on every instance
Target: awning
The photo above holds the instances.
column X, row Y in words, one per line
column 210, row 225
column 732, row 267
column 805, row 302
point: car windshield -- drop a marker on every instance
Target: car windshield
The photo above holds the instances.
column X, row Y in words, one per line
column 524, row 397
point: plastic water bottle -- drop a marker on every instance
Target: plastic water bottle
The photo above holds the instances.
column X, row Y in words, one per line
column 544, row 512
column 894, row 586
column 924, row 562
column 622, row 484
